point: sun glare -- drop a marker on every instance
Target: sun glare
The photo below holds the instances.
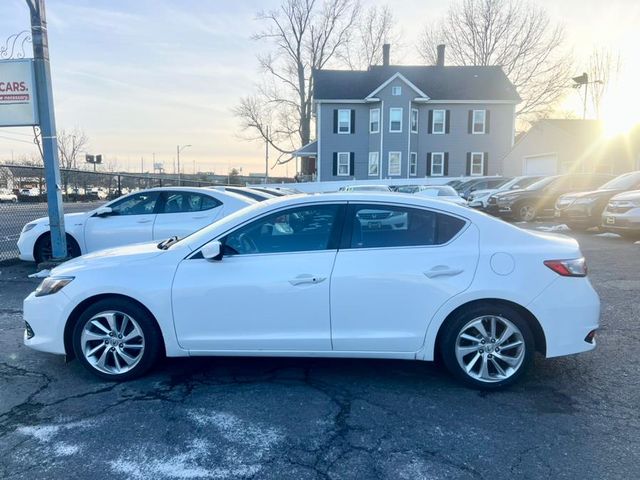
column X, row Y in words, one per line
column 619, row 107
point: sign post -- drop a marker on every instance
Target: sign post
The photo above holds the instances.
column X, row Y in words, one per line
column 47, row 123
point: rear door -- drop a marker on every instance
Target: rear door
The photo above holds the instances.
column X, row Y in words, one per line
column 396, row 266
column 183, row 212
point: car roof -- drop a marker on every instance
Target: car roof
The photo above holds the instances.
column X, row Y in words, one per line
column 206, row 190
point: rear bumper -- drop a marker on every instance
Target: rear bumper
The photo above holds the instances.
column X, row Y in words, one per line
column 568, row 310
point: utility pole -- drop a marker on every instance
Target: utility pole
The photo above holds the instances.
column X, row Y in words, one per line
column 178, row 150
column 266, row 157
column 47, row 122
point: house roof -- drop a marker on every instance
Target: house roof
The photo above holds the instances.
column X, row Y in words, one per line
column 576, row 127
column 308, row 150
column 439, row 83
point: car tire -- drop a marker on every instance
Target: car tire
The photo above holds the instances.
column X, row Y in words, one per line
column 116, row 339
column 526, row 212
column 482, row 361
column 42, row 251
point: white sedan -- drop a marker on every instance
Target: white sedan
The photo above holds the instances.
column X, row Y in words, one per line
column 142, row 216
column 305, row 276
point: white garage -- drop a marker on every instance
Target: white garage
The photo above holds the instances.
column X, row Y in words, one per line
column 546, row 164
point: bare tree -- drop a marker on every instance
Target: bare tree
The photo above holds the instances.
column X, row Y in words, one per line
column 604, row 66
column 306, row 35
column 518, row 36
column 70, row 144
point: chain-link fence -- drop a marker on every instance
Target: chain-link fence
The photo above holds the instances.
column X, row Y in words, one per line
column 23, row 194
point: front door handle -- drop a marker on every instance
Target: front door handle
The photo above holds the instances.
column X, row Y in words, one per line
column 443, row 271
column 144, row 221
column 199, row 216
column 306, row 278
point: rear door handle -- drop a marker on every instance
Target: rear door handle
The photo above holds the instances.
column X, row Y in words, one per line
column 199, row 216
column 443, row 271
column 144, row 221
column 306, row 278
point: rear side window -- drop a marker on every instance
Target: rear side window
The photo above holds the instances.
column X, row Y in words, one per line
column 375, row 226
column 184, row 202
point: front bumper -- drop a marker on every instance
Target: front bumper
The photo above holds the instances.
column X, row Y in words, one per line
column 628, row 221
column 47, row 317
column 580, row 216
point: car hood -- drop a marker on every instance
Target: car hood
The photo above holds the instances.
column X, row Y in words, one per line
column 68, row 218
column 592, row 193
column 125, row 255
column 630, row 195
column 512, row 193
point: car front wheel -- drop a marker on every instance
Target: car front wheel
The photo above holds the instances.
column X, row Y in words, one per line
column 527, row 212
column 488, row 347
column 116, row 339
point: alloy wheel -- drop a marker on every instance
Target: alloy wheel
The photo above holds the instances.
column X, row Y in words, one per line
column 490, row 348
column 527, row 213
column 112, row 342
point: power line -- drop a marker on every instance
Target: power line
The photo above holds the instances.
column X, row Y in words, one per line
column 17, row 140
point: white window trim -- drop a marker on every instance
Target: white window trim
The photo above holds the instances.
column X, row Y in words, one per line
column 348, row 154
column 481, row 165
column 444, row 122
column 414, row 110
column 399, row 164
column 432, row 172
column 484, row 122
column 396, row 88
column 390, row 122
column 371, row 121
column 374, row 156
column 348, row 110
column 413, row 164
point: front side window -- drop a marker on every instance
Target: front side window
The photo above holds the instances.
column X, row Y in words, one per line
column 413, row 164
column 379, row 226
column 142, row 203
column 343, row 164
column 395, row 120
column 374, row 120
column 300, row 229
column 477, row 163
column 344, row 121
column 395, row 160
column 396, row 91
column 437, row 164
column 183, row 202
column 374, row 164
column 438, row 125
column 414, row 120
column 479, row 117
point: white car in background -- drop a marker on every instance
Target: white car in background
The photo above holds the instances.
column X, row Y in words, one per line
column 7, row 195
column 478, row 198
column 143, row 216
column 441, row 192
column 303, row 276
column 366, row 188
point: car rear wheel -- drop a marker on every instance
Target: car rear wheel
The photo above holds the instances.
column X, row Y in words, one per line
column 527, row 212
column 116, row 339
column 488, row 347
column 43, row 252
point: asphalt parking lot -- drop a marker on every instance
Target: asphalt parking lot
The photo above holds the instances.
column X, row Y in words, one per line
column 571, row 418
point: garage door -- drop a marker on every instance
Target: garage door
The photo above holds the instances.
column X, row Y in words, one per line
column 541, row 165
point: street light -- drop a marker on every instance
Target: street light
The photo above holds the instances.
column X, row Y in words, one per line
column 178, row 150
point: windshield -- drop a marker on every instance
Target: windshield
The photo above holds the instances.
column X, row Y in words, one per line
column 626, row 181
column 542, row 183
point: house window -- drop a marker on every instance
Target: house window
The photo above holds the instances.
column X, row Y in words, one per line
column 479, row 117
column 395, row 159
column 477, row 163
column 395, row 120
column 437, row 164
column 396, row 91
column 374, row 164
column 343, row 164
column 374, row 120
column 414, row 120
column 438, row 125
column 413, row 164
column 344, row 121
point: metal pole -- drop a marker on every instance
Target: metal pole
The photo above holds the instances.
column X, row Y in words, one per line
column 266, row 158
column 178, row 157
column 584, row 108
column 47, row 122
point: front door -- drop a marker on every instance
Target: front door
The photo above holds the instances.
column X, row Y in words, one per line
column 396, row 266
column 183, row 212
column 131, row 221
column 270, row 291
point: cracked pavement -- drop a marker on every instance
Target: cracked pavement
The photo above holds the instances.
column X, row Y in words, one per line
column 281, row 418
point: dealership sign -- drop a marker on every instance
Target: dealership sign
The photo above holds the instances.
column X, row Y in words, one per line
column 17, row 93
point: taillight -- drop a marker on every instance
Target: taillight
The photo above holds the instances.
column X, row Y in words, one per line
column 568, row 268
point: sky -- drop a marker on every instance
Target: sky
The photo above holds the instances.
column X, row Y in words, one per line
column 140, row 77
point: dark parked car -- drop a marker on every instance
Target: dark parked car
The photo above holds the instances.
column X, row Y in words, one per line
column 465, row 188
column 539, row 198
column 622, row 214
column 584, row 209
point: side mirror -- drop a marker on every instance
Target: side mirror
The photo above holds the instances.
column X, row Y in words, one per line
column 103, row 212
column 212, row 250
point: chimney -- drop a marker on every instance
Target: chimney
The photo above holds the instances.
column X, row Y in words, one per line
column 440, row 59
column 386, row 49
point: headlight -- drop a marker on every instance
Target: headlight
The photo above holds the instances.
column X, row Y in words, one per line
column 28, row 227
column 51, row 285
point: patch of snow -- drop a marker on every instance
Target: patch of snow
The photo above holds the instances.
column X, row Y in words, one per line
column 44, row 433
column 607, row 234
column 62, row 449
column 555, row 228
column 636, row 243
column 41, row 274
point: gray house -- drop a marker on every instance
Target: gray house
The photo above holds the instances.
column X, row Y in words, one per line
column 411, row 121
